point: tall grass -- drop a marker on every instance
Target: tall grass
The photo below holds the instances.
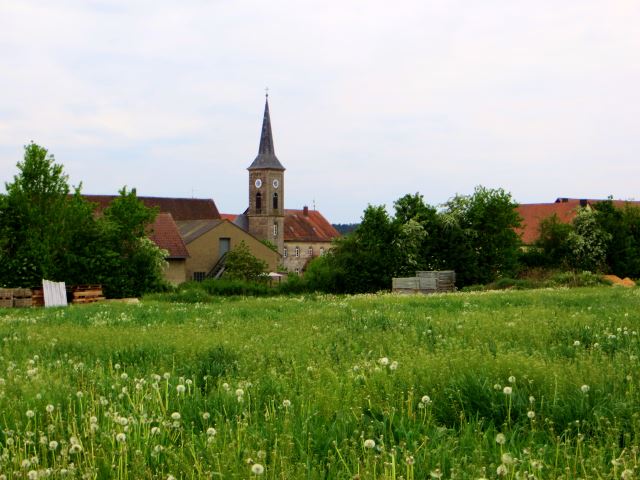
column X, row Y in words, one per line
column 470, row 385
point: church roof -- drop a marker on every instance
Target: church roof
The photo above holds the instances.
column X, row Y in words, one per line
column 307, row 226
column 165, row 234
column 192, row 229
column 266, row 154
column 179, row 208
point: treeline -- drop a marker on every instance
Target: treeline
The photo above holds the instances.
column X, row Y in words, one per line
column 49, row 231
column 601, row 238
column 473, row 235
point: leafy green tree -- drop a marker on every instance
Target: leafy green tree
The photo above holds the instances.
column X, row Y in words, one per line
column 40, row 222
column 623, row 248
column 553, row 242
column 128, row 264
column 484, row 225
column 241, row 264
column 588, row 242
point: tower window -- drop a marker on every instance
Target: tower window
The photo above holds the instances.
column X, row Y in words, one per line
column 275, row 201
column 275, row 229
column 258, row 202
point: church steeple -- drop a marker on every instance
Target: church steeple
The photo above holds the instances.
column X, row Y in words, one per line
column 266, row 154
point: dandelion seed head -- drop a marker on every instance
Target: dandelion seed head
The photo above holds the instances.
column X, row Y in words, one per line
column 211, row 431
column 585, row 388
column 257, row 469
column 239, row 392
column 286, row 403
column 181, row 388
column 426, row 400
column 53, row 445
column 50, row 408
column 369, row 443
column 501, row 439
column 121, row 437
column 175, row 416
column 384, row 361
column 30, row 414
column 206, row 416
column 512, row 379
column 501, row 470
column 507, row 459
column 507, row 390
column 393, row 366
column 531, row 414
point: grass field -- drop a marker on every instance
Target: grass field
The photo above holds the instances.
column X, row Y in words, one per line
column 530, row 384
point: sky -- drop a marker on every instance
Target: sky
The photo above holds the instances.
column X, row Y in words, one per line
column 369, row 100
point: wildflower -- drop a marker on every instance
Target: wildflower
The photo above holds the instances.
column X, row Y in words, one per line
column 384, row 361
column 369, row 443
column 206, row 416
column 532, row 399
column 512, row 379
column 117, row 366
column 286, row 403
column 53, row 445
column 436, row 473
column 531, row 414
column 32, row 475
column 121, row 438
column 171, row 477
column 25, row 463
column 627, row 474
column 239, row 392
column 166, row 375
column 507, row 390
column 585, row 388
column 211, row 431
column 507, row 459
column 426, row 400
column 49, row 408
column 180, row 388
column 155, row 430
column 501, row 470
column 75, row 448
column 226, row 386
column 393, row 366
column 497, row 386
column 257, row 469
column 410, row 460
column 93, row 419
column 576, row 343
column 501, row 439
column 30, row 414
column 175, row 416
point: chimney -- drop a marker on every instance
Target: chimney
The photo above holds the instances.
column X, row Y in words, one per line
column 305, row 211
column 583, row 202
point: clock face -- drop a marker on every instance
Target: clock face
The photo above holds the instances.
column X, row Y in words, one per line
column 258, row 183
column 276, row 183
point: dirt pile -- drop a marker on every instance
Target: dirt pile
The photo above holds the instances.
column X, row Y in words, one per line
column 616, row 280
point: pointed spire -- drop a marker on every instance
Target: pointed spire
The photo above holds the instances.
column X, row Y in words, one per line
column 266, row 154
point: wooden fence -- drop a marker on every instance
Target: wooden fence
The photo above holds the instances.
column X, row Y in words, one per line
column 426, row 282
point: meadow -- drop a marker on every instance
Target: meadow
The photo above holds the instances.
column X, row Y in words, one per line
column 508, row 384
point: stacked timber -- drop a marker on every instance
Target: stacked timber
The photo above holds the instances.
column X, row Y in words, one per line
column 6, row 297
column 22, row 297
column 86, row 294
column 37, row 297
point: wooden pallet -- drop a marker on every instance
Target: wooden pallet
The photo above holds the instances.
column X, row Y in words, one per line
column 87, row 294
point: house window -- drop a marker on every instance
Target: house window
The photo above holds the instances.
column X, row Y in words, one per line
column 297, row 251
column 285, row 252
column 297, row 271
column 310, row 251
column 321, row 250
column 199, row 276
column 275, row 229
column 275, row 201
column 258, row 202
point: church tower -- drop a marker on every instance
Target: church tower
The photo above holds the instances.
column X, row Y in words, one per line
column 266, row 189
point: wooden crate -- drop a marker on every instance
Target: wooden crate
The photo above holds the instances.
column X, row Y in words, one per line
column 22, row 297
column 37, row 297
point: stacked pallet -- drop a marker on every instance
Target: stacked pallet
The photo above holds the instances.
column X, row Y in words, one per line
column 22, row 297
column 426, row 282
column 87, row 294
column 6, row 297
column 37, row 297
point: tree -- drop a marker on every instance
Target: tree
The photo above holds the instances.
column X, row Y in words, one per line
column 487, row 220
column 588, row 242
column 623, row 248
column 39, row 221
column 553, row 241
column 241, row 264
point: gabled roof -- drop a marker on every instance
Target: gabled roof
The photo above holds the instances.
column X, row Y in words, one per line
column 266, row 153
column 165, row 234
column 179, row 208
column 307, row 226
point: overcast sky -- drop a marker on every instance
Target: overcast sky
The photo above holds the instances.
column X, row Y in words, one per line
column 369, row 99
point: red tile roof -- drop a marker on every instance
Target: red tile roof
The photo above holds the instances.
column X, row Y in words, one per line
column 228, row 216
column 165, row 234
column 179, row 208
column 309, row 227
column 533, row 213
